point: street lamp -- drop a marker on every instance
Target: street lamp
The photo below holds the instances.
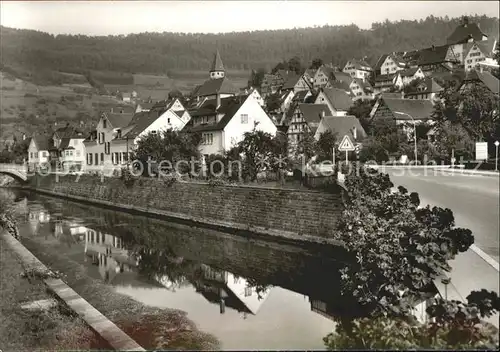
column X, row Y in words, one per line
column 496, row 155
column 414, row 132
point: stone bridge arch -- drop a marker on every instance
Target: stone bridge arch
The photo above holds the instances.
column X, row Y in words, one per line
column 18, row 172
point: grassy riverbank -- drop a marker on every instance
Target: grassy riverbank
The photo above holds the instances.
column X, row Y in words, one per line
column 152, row 328
column 22, row 330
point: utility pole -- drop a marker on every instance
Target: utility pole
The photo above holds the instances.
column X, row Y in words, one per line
column 496, row 155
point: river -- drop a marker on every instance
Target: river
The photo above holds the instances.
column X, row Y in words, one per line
column 249, row 294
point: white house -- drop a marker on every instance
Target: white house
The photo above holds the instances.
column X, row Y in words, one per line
column 411, row 74
column 322, row 76
column 428, row 89
column 223, row 121
column 69, row 148
column 389, row 64
column 361, row 89
column 478, row 52
column 255, row 94
column 337, row 100
column 358, row 69
column 117, row 134
column 38, row 150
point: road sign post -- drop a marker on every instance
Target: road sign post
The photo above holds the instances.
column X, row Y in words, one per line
column 346, row 146
column 496, row 155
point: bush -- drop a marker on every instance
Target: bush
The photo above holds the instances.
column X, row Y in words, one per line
column 395, row 243
column 127, row 178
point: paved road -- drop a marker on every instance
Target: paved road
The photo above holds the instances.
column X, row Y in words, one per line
column 474, row 201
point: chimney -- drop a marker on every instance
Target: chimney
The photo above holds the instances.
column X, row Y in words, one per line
column 322, row 113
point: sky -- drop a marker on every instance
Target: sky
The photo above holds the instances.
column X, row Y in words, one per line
column 124, row 17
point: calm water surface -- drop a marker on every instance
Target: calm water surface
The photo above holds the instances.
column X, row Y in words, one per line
column 249, row 294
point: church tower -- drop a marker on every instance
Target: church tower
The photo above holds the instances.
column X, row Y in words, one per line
column 217, row 69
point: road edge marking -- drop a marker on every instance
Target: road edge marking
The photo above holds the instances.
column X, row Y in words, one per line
column 485, row 257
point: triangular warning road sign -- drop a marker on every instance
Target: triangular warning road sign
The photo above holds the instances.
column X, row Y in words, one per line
column 346, row 144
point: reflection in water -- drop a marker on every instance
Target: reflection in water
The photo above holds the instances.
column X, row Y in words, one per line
column 264, row 294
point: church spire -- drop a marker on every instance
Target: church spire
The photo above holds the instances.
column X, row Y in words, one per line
column 217, row 69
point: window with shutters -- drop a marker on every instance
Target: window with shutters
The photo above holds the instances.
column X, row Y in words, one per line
column 96, row 158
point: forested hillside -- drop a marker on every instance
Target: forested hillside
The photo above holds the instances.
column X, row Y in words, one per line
column 28, row 51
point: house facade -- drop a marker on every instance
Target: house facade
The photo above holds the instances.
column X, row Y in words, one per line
column 428, row 89
column 358, row 69
column 478, row 52
column 222, row 122
column 389, row 64
column 38, row 150
column 305, row 118
column 361, row 90
column 323, row 75
column 337, row 100
column 410, row 75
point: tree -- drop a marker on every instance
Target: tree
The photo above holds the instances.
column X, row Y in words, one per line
column 256, row 78
column 399, row 249
column 453, row 137
column 307, row 146
column 257, row 148
column 176, row 94
column 361, row 109
column 316, row 63
column 456, row 326
column 295, row 65
column 273, row 102
column 169, row 145
column 325, row 146
column 496, row 57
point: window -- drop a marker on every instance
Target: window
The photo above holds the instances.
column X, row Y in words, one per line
column 153, row 132
column 244, row 118
column 89, row 158
column 78, row 153
column 44, row 154
column 107, row 148
column 70, row 153
column 66, row 152
column 116, row 158
column 31, row 155
column 248, row 291
column 96, row 159
column 204, row 119
column 104, row 123
column 124, row 157
column 75, row 142
column 168, row 120
column 208, row 138
column 102, row 158
column 113, row 158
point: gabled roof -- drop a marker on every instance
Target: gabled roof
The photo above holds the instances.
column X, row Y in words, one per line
column 409, row 72
column 217, row 63
column 490, row 81
column 327, row 70
column 300, row 96
column 433, row 55
column 228, row 108
column 343, row 85
column 383, row 78
column 431, row 86
column 291, row 81
column 312, row 114
column 418, row 109
column 342, row 77
column 485, row 46
column 364, row 85
column 380, row 61
column 119, row 120
column 139, row 123
column 464, row 32
column 68, row 132
column 343, row 125
column 64, row 143
column 339, row 99
column 42, row 142
column 215, row 86
column 360, row 64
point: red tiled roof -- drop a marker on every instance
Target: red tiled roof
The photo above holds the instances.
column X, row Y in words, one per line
column 343, row 125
